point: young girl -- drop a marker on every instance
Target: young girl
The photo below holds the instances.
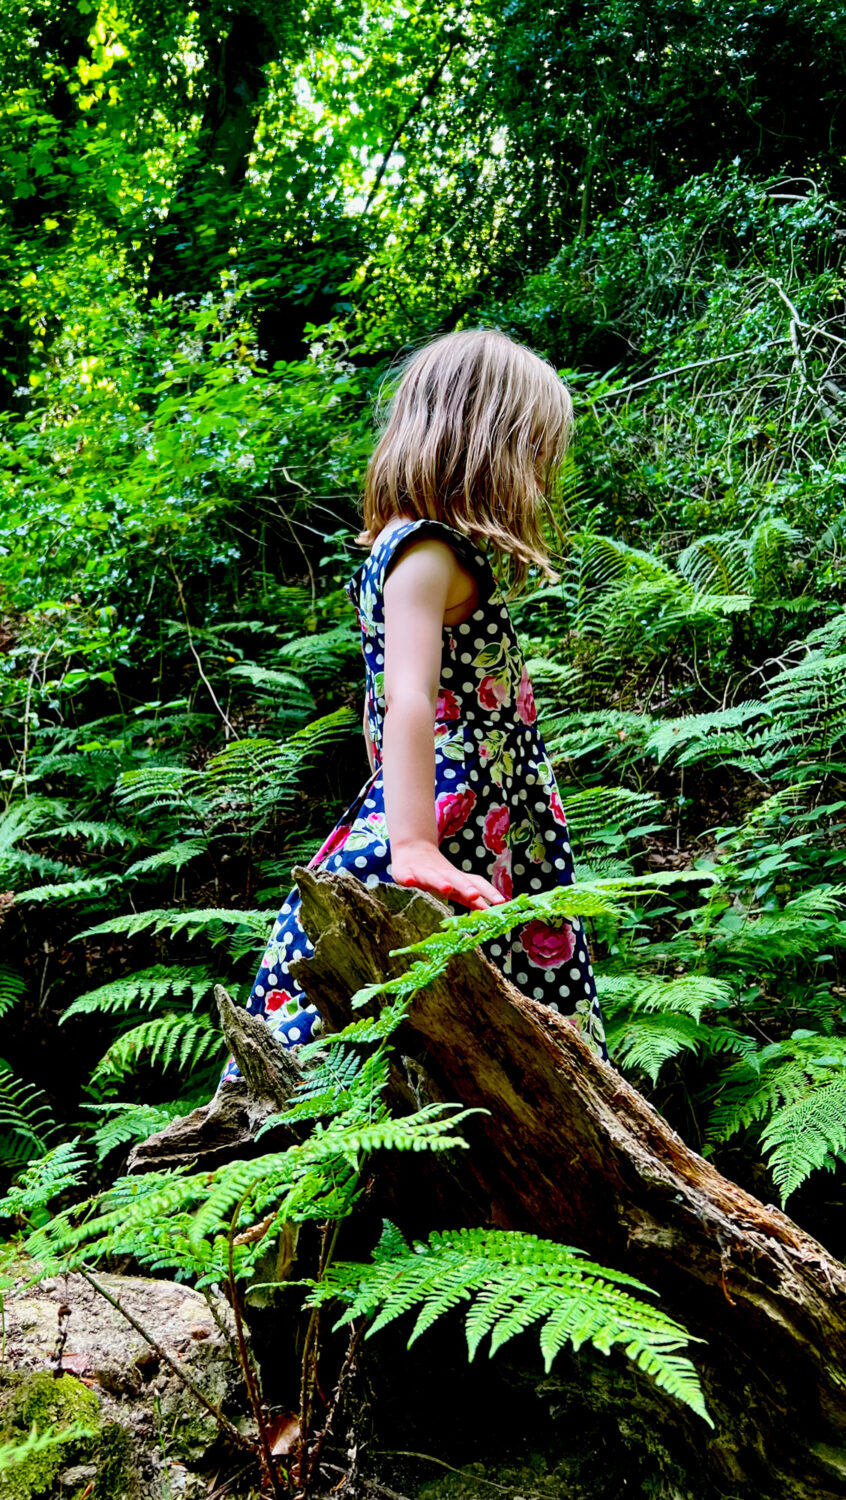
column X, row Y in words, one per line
column 462, row 800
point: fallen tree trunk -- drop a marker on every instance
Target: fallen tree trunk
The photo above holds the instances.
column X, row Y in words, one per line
column 567, row 1149
column 570, row 1151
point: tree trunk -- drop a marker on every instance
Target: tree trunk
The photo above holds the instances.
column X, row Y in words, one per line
column 571, row 1151
column 568, row 1150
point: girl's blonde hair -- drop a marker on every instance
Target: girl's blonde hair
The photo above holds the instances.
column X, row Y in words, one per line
column 474, row 434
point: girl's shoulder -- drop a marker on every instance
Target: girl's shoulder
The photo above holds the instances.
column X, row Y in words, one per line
column 398, row 535
column 394, row 540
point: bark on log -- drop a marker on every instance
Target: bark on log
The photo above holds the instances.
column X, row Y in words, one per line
column 570, row 1151
column 224, row 1128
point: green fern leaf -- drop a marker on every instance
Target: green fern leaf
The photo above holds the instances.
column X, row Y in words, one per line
column 513, row 1280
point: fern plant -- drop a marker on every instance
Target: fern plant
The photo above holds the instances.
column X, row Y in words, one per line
column 796, row 1090
column 512, row 1281
column 212, row 1226
column 27, row 1125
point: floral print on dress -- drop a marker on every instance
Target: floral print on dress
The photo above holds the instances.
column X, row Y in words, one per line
column 499, row 811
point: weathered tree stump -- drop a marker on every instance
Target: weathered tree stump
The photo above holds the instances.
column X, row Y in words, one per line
column 571, row 1151
column 567, row 1149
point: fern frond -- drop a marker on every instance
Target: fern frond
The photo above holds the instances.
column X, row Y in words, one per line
column 213, row 920
column 62, row 1167
column 514, row 1280
column 768, row 1083
column 174, row 858
column 86, row 889
column 124, row 1123
column 717, row 564
column 26, row 1120
column 600, row 811
column 647, row 1042
column 12, row 987
column 100, row 835
column 695, row 734
column 806, row 1135
column 146, row 989
column 272, row 682
column 185, row 1041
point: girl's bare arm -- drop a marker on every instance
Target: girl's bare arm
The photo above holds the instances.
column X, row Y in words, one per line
column 416, row 594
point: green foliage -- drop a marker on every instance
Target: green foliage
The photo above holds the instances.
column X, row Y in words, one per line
column 26, row 1120
column 187, row 361
column 57, row 1170
column 166, row 1041
column 145, row 990
column 513, row 1281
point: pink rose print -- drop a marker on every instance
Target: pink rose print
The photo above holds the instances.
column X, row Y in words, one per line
column 452, row 811
column 447, row 707
column 335, row 841
column 556, row 808
column 501, row 874
column 492, row 692
column 495, row 829
column 526, row 700
column 547, row 947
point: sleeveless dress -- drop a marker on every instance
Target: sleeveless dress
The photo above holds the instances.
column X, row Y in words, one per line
column 499, row 812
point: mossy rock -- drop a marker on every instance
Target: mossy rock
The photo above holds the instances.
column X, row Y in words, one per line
column 39, row 1401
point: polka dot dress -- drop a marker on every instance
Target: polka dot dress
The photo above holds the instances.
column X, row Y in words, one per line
column 499, row 812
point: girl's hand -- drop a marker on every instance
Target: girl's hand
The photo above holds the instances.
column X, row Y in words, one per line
column 423, row 867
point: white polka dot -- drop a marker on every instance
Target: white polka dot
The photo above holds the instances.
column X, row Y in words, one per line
column 372, row 880
column 466, row 657
column 492, row 628
column 538, row 994
column 582, row 955
column 454, row 846
column 272, row 980
column 479, row 643
column 360, row 861
column 294, row 1034
column 259, row 989
column 575, row 973
column 286, row 910
column 464, row 629
column 535, row 884
column 496, row 950
column 522, row 979
column 549, row 975
column 466, row 864
column 380, row 850
column 554, row 1006
column 560, row 864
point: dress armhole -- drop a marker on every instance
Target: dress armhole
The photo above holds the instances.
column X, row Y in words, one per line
column 465, row 550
